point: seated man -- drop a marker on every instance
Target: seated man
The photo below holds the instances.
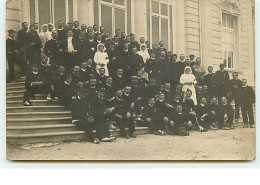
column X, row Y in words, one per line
column 180, row 122
column 121, row 114
column 213, row 111
column 101, row 78
column 99, row 110
column 119, row 79
column 59, row 78
column 202, row 113
column 189, row 108
column 109, row 88
column 226, row 115
column 33, row 84
column 153, row 117
column 47, row 72
column 66, row 92
column 163, row 105
column 81, row 117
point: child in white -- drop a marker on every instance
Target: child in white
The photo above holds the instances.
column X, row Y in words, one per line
column 188, row 81
column 101, row 59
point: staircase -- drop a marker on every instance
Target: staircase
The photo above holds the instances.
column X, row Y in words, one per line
column 43, row 121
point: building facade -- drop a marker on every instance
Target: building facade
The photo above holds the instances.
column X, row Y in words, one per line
column 218, row 31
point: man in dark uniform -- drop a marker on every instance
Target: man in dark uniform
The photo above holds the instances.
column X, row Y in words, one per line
column 76, row 29
column 70, row 49
column 247, row 98
column 119, row 79
column 106, row 39
column 121, row 114
column 114, row 62
column 66, row 92
column 234, row 88
column 164, row 75
column 109, row 88
column 53, row 50
column 82, row 47
column 209, row 80
column 136, row 63
column 99, row 110
column 61, row 31
column 222, row 79
column 152, row 67
column 161, row 47
column 226, row 114
column 153, row 117
column 34, row 47
column 33, row 84
column 101, row 78
column 11, row 54
column 91, row 45
column 81, row 117
column 179, row 68
column 22, row 41
column 133, row 42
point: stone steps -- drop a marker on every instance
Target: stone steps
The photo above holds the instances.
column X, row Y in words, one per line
column 20, row 97
column 15, row 88
column 15, row 93
column 33, row 102
column 18, row 109
column 10, row 130
column 20, row 83
column 20, row 139
column 38, row 121
column 20, row 115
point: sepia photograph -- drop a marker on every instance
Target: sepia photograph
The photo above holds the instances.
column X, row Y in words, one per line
column 130, row 80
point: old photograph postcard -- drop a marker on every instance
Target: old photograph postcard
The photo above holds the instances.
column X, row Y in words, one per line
column 130, row 80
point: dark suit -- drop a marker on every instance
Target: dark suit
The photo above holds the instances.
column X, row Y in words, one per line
column 247, row 98
column 222, row 79
column 22, row 41
column 52, row 50
column 70, row 59
column 11, row 56
column 34, row 48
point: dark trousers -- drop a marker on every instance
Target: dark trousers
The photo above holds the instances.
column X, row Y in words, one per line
column 23, row 61
column 101, row 128
column 123, row 123
column 247, row 112
column 206, row 122
column 38, row 89
column 237, row 105
column 156, row 124
column 11, row 70
column 222, row 123
column 87, row 128
column 70, row 61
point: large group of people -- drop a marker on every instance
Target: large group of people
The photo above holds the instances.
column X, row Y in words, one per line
column 120, row 82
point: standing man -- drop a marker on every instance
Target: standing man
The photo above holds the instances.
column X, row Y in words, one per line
column 70, row 46
column 53, row 50
column 34, row 47
column 61, row 31
column 11, row 53
column 209, row 80
column 76, row 29
column 22, row 41
column 222, row 80
column 235, row 86
column 247, row 97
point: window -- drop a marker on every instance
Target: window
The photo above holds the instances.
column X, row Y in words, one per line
column 50, row 11
column 160, row 22
column 113, row 15
column 228, row 40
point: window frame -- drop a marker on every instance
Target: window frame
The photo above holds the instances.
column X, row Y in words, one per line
column 114, row 6
column 228, row 30
column 160, row 16
column 52, row 10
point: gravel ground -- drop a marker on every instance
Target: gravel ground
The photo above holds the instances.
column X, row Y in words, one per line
column 237, row 144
